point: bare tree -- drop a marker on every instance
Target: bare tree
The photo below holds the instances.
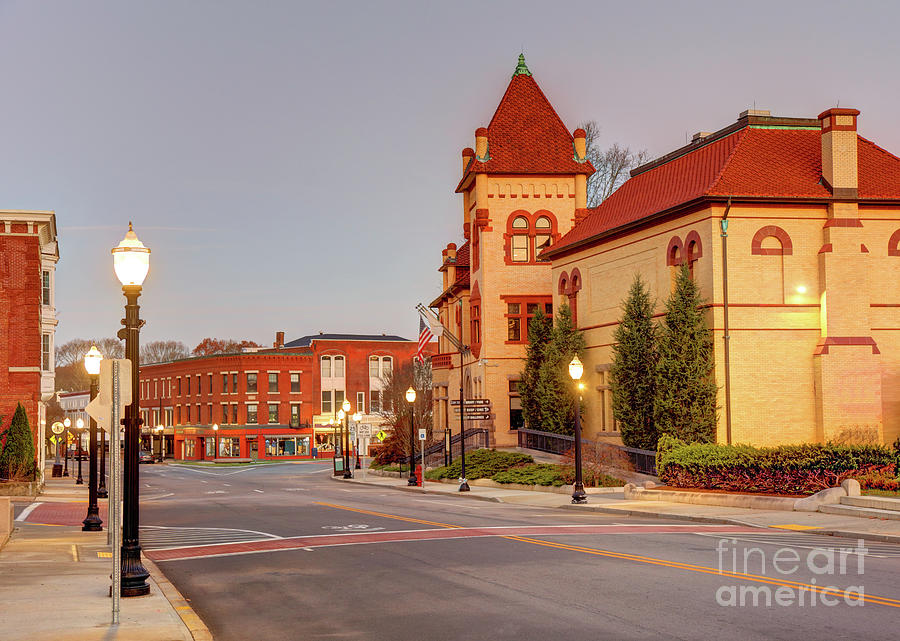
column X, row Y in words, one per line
column 110, row 347
column 163, row 351
column 72, row 352
column 613, row 164
column 397, row 411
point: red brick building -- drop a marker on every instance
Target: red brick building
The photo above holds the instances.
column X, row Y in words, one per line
column 28, row 257
column 272, row 403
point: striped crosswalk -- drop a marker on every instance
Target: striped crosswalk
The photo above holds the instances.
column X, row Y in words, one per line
column 156, row 537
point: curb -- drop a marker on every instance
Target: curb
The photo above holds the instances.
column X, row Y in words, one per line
column 419, row 490
column 193, row 622
column 660, row 515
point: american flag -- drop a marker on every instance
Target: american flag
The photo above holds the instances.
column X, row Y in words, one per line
column 425, row 337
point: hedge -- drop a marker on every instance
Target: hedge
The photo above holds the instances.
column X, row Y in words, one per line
column 553, row 474
column 480, row 464
column 787, row 469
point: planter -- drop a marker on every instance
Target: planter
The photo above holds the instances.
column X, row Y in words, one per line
column 25, row 488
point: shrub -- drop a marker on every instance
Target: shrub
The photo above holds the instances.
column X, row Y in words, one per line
column 480, row 464
column 17, row 458
column 552, row 474
column 788, row 469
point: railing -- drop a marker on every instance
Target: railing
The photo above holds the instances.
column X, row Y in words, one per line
column 475, row 438
column 442, row 361
column 644, row 461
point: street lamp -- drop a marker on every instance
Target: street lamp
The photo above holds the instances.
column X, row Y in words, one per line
column 79, row 425
column 576, row 369
column 92, row 522
column 159, row 437
column 344, row 415
column 356, row 419
column 131, row 261
column 215, row 441
column 67, row 423
column 411, row 399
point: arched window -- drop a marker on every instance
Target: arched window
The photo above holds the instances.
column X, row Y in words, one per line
column 894, row 244
column 774, row 242
column 693, row 250
column 520, row 240
column 542, row 235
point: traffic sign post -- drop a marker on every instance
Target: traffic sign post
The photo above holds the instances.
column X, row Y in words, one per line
column 423, row 434
column 57, row 428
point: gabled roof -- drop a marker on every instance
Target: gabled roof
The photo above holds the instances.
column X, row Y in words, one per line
column 462, row 275
column 306, row 341
column 526, row 135
column 775, row 162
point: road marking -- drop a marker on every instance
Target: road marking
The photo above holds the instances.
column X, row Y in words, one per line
column 894, row 603
column 227, row 484
column 28, row 510
column 104, row 555
column 794, row 526
column 216, row 492
column 387, row 516
column 160, row 496
column 295, row 489
column 74, row 553
column 260, row 491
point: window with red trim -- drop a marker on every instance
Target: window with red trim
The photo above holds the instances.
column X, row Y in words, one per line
column 528, row 235
column 519, row 312
column 476, row 324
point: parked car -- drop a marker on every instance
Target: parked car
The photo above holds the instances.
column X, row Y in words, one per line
column 146, row 457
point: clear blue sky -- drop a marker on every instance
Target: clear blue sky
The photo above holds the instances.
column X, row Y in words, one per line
column 292, row 165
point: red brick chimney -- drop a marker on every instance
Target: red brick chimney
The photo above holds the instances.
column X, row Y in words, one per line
column 279, row 340
column 839, row 153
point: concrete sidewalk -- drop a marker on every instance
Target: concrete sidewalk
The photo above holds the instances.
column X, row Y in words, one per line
column 55, row 580
column 615, row 503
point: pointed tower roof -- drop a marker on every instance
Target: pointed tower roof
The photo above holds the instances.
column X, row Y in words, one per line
column 526, row 135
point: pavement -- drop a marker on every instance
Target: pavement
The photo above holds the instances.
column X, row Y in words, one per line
column 55, row 580
column 613, row 502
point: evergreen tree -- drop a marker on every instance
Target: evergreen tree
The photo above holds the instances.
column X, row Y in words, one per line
column 17, row 457
column 633, row 379
column 685, row 405
column 555, row 391
column 540, row 328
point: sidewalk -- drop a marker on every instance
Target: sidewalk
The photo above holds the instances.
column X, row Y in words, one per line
column 54, row 584
column 615, row 503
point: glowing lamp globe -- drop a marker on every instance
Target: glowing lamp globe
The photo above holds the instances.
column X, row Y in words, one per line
column 341, row 414
column 576, row 368
column 131, row 260
column 346, row 406
column 79, row 424
column 216, row 427
column 410, row 395
column 357, row 416
column 92, row 361
column 67, row 422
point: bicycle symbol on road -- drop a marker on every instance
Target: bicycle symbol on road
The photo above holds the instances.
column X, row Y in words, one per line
column 355, row 527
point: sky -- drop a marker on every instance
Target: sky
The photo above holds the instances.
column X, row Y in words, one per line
column 292, row 165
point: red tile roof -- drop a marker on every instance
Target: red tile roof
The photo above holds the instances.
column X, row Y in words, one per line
column 527, row 136
column 462, row 275
column 754, row 162
column 462, row 255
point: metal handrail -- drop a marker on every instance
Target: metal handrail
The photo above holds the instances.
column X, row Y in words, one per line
column 644, row 461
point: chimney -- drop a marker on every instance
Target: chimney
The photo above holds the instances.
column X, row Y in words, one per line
column 467, row 154
column 451, row 268
column 839, row 155
column 481, row 145
column 580, row 146
column 279, row 340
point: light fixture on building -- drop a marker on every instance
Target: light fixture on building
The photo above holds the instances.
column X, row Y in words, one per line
column 576, row 368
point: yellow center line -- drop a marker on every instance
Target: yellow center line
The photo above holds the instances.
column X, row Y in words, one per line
column 894, row 603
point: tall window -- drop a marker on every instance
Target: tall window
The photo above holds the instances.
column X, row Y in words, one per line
column 224, row 413
column 380, row 366
column 251, row 414
column 178, row 385
column 198, row 384
column 361, row 402
column 326, row 402
column 224, row 383
column 45, row 352
column 234, row 414
column 295, row 415
column 234, row 382
column 326, row 367
column 520, row 240
column 519, row 315
column 251, row 382
column 375, row 401
column 209, row 388
column 187, row 385
column 273, row 412
column 45, row 287
column 332, row 366
column 295, row 383
column 476, row 324
column 273, row 382
column 542, row 235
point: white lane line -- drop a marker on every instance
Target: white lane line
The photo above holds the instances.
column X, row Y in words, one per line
column 216, row 492
column 28, row 510
column 215, row 529
column 161, row 496
column 260, row 491
column 227, row 484
column 204, row 481
column 295, row 489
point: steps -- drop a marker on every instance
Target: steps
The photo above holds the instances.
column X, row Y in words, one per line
column 871, row 507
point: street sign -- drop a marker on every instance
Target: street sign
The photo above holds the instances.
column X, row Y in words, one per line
column 423, row 434
column 381, row 435
column 472, row 401
column 57, row 428
column 364, row 430
column 477, row 417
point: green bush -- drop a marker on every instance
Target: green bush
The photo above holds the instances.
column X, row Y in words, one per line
column 17, row 458
column 787, row 469
column 479, row 464
column 553, row 474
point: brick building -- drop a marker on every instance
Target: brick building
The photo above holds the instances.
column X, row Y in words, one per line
column 28, row 257
column 268, row 403
column 813, row 273
column 522, row 187
column 813, row 260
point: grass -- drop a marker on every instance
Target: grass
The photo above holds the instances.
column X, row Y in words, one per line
column 888, row 493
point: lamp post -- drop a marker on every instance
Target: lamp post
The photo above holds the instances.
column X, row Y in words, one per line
column 102, row 492
column 576, row 369
column 131, row 261
column 79, row 425
column 159, row 437
column 357, row 418
column 345, row 408
column 92, row 522
column 67, row 423
column 411, row 399
column 216, row 440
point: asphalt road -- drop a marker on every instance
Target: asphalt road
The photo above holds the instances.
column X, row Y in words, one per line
column 285, row 552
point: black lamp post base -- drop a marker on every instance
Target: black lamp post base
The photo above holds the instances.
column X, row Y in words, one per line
column 464, row 485
column 412, row 481
column 578, row 495
column 79, row 481
column 92, row 523
column 57, row 470
column 134, row 574
column 102, row 493
column 348, row 474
